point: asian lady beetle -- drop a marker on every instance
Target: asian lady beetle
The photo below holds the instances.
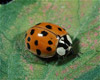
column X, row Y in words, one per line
column 46, row 39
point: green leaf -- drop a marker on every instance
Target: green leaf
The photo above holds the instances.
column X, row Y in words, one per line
column 81, row 19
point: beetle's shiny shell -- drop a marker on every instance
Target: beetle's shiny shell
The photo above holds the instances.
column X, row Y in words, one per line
column 42, row 39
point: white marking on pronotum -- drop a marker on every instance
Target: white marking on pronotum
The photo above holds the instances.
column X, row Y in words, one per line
column 62, row 38
column 69, row 47
column 69, row 39
column 40, row 35
column 61, row 51
column 60, row 41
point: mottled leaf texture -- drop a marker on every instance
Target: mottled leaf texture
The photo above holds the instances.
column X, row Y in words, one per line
column 81, row 19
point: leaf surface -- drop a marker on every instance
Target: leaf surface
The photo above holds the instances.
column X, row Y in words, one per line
column 81, row 18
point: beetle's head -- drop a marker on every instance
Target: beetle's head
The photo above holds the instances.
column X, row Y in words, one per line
column 64, row 45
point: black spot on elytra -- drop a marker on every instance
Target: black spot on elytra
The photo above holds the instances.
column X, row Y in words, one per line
column 28, row 45
column 28, row 38
column 50, row 42
column 38, row 24
column 44, row 33
column 48, row 26
column 36, row 42
column 32, row 32
column 59, row 29
column 49, row 49
column 38, row 52
column 25, row 35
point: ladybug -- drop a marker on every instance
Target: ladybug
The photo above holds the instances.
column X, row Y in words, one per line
column 47, row 39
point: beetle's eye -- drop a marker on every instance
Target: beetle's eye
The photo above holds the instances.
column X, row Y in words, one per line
column 69, row 39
